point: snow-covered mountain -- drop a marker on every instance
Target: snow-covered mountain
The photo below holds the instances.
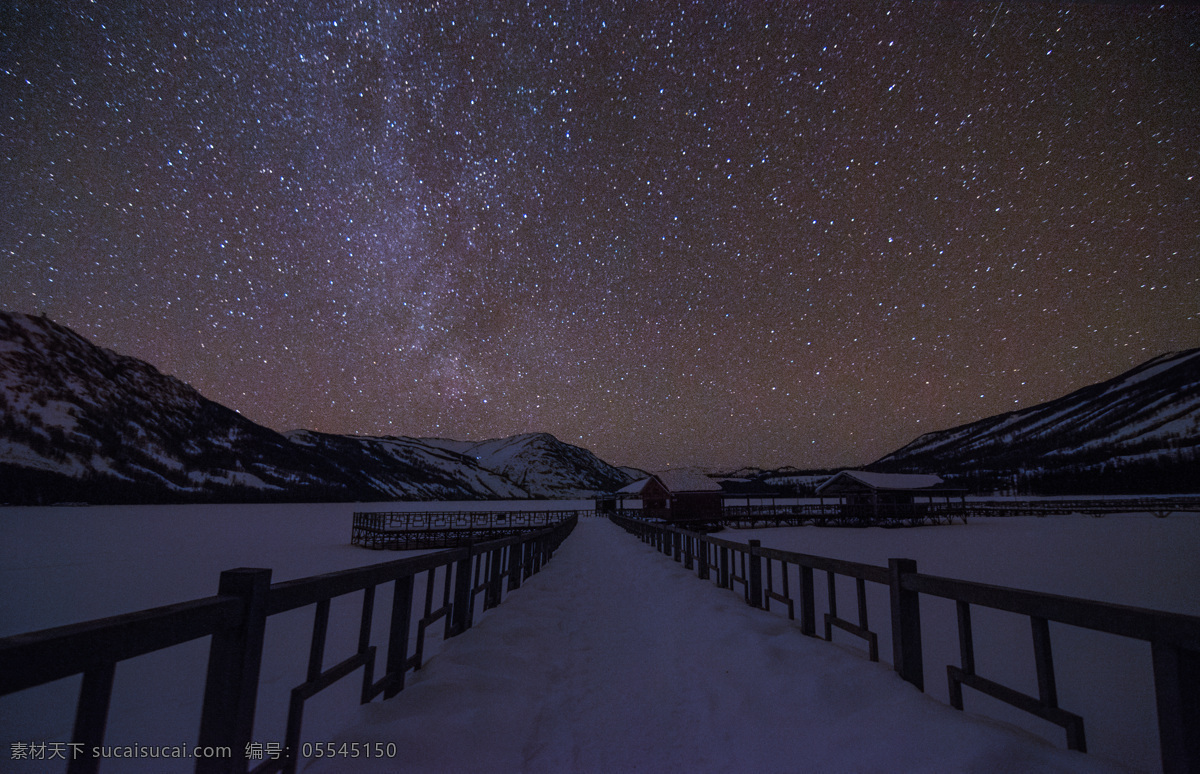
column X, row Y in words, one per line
column 1139, row 431
column 541, row 464
column 79, row 422
column 83, row 423
column 407, row 469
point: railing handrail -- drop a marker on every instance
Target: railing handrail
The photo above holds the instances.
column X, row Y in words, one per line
column 301, row 592
column 43, row 656
column 92, row 648
column 556, row 513
column 1031, row 506
column 145, row 631
column 1138, row 623
column 1174, row 637
column 869, row 572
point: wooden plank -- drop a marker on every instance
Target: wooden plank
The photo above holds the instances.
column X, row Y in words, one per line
column 907, row 657
column 871, row 637
column 91, row 718
column 966, row 638
column 1069, row 721
column 316, row 652
column 1044, row 661
column 1177, row 694
column 234, row 662
column 395, row 664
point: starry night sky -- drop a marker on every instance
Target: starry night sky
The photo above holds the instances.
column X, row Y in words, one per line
column 703, row 233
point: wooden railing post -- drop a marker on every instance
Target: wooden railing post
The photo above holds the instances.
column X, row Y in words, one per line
column 461, row 612
column 906, row 624
column 808, row 604
column 491, row 596
column 515, row 552
column 91, row 717
column 755, row 582
column 234, row 660
column 535, row 555
column 527, row 559
column 396, row 663
column 702, row 555
column 1177, row 694
column 1043, row 660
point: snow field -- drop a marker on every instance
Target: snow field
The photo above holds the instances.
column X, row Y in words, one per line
column 69, row 564
column 613, row 659
column 617, row 647
column 1130, row 559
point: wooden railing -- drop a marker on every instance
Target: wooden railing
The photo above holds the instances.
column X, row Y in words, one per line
column 236, row 619
column 408, row 530
column 1048, row 506
column 842, row 514
column 835, row 514
column 939, row 512
column 1174, row 639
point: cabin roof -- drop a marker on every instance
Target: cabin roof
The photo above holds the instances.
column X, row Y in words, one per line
column 636, row 488
column 674, row 482
column 860, row 480
column 677, row 481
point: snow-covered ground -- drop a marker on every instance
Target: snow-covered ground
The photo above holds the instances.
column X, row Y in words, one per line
column 613, row 658
column 1129, row 559
column 63, row 565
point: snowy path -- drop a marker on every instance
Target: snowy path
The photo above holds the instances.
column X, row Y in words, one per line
column 616, row 659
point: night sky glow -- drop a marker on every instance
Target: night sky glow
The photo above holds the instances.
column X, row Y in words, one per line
column 703, row 233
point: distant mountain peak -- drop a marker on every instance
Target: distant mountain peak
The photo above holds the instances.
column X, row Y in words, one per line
column 542, row 464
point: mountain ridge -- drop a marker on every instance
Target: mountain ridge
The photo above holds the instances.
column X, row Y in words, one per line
column 79, row 422
column 544, row 465
column 77, row 416
column 1142, row 424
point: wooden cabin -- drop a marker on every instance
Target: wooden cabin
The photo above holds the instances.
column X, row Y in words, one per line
column 882, row 497
column 693, row 496
column 648, row 493
column 674, row 496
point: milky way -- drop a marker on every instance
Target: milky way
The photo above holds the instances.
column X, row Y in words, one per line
column 709, row 233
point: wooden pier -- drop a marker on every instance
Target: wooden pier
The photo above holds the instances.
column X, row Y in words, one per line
column 407, row 530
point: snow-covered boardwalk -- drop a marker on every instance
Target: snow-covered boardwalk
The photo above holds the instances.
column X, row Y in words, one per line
column 614, row 659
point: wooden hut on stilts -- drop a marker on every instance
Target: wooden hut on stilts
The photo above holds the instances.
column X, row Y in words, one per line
column 866, row 499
